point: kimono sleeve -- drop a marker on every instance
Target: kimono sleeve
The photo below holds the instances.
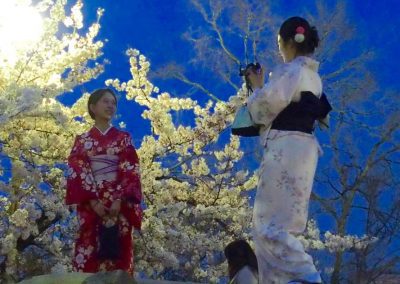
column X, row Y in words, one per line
column 81, row 186
column 266, row 103
column 129, row 172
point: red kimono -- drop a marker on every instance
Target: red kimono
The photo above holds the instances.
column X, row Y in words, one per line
column 104, row 167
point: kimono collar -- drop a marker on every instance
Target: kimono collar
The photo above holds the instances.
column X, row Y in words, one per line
column 101, row 132
column 306, row 61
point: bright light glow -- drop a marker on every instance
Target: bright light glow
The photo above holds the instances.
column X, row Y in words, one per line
column 21, row 26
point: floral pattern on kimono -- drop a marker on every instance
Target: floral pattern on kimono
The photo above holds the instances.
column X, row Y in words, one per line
column 113, row 146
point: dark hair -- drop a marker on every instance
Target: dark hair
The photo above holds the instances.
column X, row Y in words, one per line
column 311, row 38
column 239, row 254
column 96, row 96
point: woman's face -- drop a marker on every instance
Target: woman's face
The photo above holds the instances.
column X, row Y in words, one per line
column 286, row 49
column 105, row 108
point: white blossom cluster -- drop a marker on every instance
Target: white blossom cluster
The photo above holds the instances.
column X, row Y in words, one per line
column 55, row 63
column 36, row 135
column 196, row 192
column 313, row 239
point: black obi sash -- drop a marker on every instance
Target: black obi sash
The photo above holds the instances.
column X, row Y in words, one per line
column 301, row 115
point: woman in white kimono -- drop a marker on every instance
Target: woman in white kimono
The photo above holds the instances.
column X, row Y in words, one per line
column 287, row 108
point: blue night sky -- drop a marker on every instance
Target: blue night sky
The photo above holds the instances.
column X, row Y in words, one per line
column 156, row 27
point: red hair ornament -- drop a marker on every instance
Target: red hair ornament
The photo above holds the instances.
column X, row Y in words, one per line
column 299, row 37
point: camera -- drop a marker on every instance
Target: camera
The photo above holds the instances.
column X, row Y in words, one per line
column 244, row 72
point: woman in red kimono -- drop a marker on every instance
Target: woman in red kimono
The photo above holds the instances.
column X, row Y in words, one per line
column 104, row 182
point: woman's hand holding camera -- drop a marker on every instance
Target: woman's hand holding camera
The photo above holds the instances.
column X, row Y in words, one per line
column 255, row 77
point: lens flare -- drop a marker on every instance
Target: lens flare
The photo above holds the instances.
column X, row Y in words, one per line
column 21, row 26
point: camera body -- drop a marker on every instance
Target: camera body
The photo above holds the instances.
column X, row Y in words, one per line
column 254, row 67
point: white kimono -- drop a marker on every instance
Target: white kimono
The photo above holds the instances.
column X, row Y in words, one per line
column 285, row 177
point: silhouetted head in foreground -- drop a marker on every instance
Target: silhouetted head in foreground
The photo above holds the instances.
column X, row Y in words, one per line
column 239, row 254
